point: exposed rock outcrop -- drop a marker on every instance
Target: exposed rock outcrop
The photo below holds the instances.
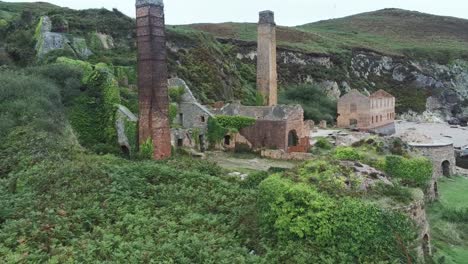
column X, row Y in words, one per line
column 47, row 41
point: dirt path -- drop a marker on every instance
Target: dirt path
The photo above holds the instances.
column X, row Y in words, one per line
column 246, row 162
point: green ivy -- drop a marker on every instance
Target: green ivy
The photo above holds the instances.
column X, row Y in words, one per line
column 216, row 132
column 235, row 123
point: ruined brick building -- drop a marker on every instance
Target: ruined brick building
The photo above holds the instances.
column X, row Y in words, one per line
column 153, row 95
column 279, row 127
column 374, row 113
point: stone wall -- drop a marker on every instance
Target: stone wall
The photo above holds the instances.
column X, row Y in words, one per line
column 439, row 154
column 353, row 106
column 268, row 134
column 375, row 113
column 417, row 212
column 266, row 59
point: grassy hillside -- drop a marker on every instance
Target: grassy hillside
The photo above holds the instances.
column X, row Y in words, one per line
column 390, row 31
column 449, row 221
column 60, row 203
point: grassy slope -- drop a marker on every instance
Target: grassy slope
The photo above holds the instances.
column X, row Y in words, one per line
column 449, row 238
column 390, row 31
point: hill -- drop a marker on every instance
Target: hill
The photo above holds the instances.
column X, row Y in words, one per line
column 389, row 31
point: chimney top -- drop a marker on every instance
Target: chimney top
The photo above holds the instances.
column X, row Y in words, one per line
column 140, row 3
column 267, row 17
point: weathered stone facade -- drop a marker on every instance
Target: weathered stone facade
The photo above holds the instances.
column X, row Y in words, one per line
column 277, row 127
column 152, row 77
column 192, row 117
column 443, row 159
column 267, row 77
column 375, row 113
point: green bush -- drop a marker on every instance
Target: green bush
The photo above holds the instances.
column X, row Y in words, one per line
column 317, row 105
column 254, row 179
column 216, row 132
column 175, row 94
column 347, row 153
column 235, row 123
column 415, row 172
column 323, row 143
column 146, row 150
column 296, row 211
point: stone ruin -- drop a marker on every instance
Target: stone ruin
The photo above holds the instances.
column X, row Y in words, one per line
column 374, row 113
column 278, row 127
column 152, row 78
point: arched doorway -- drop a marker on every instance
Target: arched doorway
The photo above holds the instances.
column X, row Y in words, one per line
column 446, row 168
column 293, row 140
column 201, row 139
column 227, row 140
column 425, row 245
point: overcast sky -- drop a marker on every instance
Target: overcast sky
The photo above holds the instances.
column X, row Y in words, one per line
column 287, row 12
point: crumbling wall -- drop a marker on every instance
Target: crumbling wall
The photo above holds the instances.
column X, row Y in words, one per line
column 267, row 134
column 353, row 106
column 439, row 154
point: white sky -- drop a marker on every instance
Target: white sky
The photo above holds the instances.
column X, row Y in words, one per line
column 287, row 12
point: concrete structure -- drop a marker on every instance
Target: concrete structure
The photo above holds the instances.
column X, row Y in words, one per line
column 278, row 127
column 374, row 113
column 267, row 77
column 442, row 156
column 152, row 77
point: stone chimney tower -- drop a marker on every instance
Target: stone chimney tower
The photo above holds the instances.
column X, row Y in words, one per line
column 266, row 58
column 152, row 77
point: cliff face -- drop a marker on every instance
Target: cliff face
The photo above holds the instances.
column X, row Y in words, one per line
column 439, row 90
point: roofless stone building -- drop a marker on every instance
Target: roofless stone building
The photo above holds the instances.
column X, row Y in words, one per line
column 374, row 113
column 280, row 128
column 267, row 77
column 152, row 77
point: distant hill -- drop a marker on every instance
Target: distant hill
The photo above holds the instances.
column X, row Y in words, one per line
column 390, row 31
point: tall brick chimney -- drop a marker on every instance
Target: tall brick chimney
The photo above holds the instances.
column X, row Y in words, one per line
column 152, row 77
column 266, row 58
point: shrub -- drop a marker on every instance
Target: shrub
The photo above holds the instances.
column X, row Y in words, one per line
column 323, row 143
column 216, row 132
column 175, row 94
column 235, row 123
column 146, row 150
column 317, row 105
column 415, row 172
column 292, row 211
column 347, row 153
column 254, row 179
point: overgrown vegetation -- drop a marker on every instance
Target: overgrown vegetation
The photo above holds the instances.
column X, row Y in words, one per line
column 221, row 125
column 449, row 225
column 60, row 203
column 414, row 172
column 317, row 105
